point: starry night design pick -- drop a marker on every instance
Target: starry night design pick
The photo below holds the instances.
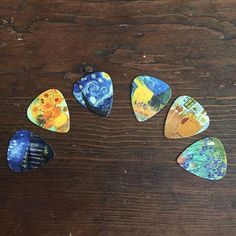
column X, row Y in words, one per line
column 148, row 96
column 205, row 158
column 27, row 152
column 95, row 92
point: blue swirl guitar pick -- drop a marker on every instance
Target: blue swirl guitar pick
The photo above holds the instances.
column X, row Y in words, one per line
column 95, row 92
column 27, row 152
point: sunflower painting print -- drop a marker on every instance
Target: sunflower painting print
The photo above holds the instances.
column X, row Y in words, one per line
column 49, row 111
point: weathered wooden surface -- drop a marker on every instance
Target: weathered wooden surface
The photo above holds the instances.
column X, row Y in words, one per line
column 115, row 176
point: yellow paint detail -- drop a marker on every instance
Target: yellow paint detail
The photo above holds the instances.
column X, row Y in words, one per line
column 142, row 93
column 60, row 120
column 106, row 76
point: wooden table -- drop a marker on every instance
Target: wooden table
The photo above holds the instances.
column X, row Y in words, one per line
column 114, row 176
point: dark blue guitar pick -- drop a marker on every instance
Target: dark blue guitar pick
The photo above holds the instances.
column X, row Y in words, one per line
column 95, row 92
column 27, row 152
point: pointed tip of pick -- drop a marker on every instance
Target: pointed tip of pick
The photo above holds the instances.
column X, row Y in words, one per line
column 167, row 135
column 180, row 159
column 170, row 135
column 140, row 118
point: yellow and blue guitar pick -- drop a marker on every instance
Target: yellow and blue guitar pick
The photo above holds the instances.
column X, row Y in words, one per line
column 148, row 96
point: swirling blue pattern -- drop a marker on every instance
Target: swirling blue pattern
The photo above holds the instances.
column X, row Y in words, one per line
column 95, row 92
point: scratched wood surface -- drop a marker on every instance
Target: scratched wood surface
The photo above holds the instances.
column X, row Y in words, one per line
column 115, row 176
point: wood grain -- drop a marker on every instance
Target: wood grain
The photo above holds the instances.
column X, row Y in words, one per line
column 115, row 176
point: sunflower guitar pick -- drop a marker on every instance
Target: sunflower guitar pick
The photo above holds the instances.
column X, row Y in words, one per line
column 148, row 96
column 49, row 111
column 27, row 152
column 206, row 159
column 95, row 92
column 186, row 118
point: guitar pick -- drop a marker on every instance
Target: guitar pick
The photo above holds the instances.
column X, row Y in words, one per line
column 27, row 152
column 148, row 96
column 206, row 159
column 95, row 92
column 49, row 111
column 186, row 118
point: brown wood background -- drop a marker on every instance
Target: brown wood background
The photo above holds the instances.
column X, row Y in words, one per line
column 115, row 176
